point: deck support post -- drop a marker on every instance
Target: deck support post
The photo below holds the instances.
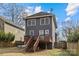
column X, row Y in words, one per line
column 46, row 46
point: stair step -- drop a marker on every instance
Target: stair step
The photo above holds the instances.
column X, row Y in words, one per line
column 30, row 47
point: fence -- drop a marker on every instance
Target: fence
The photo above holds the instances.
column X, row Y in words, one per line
column 73, row 48
column 61, row 44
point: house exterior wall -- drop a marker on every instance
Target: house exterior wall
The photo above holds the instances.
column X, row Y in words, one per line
column 53, row 30
column 1, row 24
column 51, row 27
column 19, row 34
column 39, row 27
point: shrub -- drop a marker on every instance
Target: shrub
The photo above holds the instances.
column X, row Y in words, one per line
column 6, row 38
column 10, row 37
column 73, row 36
column 2, row 36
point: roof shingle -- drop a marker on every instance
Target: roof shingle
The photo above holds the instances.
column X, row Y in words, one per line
column 41, row 14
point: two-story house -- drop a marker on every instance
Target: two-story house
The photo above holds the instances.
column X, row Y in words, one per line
column 42, row 25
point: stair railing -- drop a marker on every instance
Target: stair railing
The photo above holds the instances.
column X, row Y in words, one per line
column 27, row 44
column 36, row 44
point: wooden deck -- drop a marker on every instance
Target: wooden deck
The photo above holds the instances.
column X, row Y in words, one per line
column 34, row 43
column 41, row 39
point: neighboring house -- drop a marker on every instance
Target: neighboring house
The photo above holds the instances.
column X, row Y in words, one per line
column 41, row 24
column 8, row 26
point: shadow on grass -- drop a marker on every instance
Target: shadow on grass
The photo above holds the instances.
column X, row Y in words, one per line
column 66, row 53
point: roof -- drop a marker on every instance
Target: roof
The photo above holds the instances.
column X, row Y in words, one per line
column 40, row 14
column 11, row 23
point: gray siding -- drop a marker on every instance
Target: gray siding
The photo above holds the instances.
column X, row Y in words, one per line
column 39, row 27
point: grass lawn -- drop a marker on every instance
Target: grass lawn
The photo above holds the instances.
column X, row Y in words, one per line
column 19, row 52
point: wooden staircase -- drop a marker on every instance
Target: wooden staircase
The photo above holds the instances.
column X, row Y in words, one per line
column 32, row 44
column 35, row 46
column 27, row 44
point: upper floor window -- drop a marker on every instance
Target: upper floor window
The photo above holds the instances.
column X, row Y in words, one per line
column 42, row 21
column 31, row 22
column 28, row 23
column 45, row 21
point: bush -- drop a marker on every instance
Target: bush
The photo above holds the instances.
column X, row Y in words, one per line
column 9, row 37
column 2, row 36
column 73, row 36
column 6, row 38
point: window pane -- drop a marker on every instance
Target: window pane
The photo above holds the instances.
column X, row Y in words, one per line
column 47, row 21
column 33, row 22
column 41, row 32
column 42, row 21
column 46, row 31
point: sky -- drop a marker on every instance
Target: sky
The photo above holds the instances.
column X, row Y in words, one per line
column 58, row 8
column 62, row 11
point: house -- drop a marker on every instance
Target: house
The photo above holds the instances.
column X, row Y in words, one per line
column 8, row 26
column 40, row 31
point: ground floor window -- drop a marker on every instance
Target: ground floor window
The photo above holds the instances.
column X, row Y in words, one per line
column 44, row 32
column 31, row 32
column 47, row 32
column 41, row 32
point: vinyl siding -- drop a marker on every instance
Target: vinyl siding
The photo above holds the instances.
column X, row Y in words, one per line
column 38, row 27
column 19, row 34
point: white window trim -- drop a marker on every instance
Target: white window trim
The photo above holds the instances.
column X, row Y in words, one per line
column 41, row 21
column 41, row 32
column 48, row 21
column 33, row 20
column 31, row 24
column 47, row 32
column 45, row 21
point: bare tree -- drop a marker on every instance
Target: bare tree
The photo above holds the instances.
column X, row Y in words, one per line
column 13, row 13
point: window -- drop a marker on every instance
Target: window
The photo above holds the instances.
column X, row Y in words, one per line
column 31, row 22
column 42, row 21
column 46, row 31
column 28, row 23
column 41, row 32
column 45, row 21
column 31, row 32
